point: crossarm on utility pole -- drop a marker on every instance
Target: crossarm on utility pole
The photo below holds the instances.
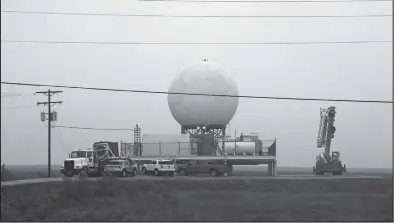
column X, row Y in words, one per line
column 49, row 92
column 46, row 103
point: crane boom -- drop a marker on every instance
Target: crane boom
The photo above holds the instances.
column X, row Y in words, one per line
column 326, row 130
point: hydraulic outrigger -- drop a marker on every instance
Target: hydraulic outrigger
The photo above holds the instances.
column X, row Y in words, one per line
column 326, row 162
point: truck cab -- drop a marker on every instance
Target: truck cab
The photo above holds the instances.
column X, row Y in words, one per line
column 79, row 160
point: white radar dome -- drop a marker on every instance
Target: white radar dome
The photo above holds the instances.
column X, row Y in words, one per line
column 197, row 110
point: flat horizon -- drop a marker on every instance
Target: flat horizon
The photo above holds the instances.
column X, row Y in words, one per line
column 238, row 166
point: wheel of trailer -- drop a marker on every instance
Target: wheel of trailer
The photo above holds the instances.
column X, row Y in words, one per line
column 134, row 172
column 182, row 172
column 156, row 172
column 124, row 173
column 213, row 172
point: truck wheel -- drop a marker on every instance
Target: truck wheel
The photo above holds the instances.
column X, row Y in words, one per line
column 157, row 172
column 84, row 172
column 182, row 172
column 123, row 173
column 213, row 173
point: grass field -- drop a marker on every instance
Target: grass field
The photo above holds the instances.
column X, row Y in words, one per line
column 109, row 199
column 229, row 200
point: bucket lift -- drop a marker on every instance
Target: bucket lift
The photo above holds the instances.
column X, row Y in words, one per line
column 326, row 162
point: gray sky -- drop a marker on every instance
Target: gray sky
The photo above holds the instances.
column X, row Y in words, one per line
column 352, row 71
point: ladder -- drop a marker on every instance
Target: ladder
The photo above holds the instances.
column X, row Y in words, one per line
column 321, row 137
column 137, row 141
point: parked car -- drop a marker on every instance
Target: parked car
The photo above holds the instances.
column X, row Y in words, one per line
column 120, row 167
column 212, row 167
column 159, row 167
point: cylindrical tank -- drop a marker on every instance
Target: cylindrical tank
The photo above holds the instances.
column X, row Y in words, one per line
column 194, row 110
column 241, row 148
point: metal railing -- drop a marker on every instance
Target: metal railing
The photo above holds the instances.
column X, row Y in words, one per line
column 178, row 148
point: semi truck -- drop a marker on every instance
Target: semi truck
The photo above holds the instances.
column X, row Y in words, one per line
column 79, row 161
column 90, row 161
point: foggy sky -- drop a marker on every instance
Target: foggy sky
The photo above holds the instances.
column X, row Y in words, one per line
column 345, row 71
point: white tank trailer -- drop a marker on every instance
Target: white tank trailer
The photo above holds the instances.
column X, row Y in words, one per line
column 243, row 148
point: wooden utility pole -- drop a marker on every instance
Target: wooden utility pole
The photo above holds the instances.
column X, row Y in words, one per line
column 49, row 93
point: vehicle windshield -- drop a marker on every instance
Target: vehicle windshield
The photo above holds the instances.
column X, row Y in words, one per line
column 78, row 154
column 166, row 162
column 114, row 163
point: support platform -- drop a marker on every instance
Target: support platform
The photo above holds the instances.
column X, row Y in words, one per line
column 231, row 160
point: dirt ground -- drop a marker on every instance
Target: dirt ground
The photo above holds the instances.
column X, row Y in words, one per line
column 217, row 200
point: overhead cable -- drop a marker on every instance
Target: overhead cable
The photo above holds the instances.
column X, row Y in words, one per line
column 6, row 95
column 194, row 43
column 266, row 1
column 194, row 94
column 87, row 128
column 21, row 106
column 194, row 16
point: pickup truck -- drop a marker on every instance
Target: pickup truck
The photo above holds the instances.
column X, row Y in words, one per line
column 213, row 168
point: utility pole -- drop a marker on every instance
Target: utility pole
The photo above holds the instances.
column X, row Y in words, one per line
column 51, row 117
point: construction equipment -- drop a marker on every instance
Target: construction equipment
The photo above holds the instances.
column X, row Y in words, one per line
column 326, row 162
column 102, row 153
column 79, row 161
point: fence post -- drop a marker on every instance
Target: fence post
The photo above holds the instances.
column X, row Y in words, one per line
column 179, row 148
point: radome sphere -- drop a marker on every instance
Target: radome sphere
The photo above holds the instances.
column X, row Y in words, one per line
column 203, row 78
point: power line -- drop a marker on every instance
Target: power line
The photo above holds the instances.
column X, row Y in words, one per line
column 195, row 43
column 194, row 94
column 22, row 106
column 87, row 128
column 195, row 16
column 6, row 95
column 266, row 1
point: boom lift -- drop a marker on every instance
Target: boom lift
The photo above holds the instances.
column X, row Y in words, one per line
column 326, row 162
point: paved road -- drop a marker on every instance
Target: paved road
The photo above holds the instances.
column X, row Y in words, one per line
column 199, row 178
